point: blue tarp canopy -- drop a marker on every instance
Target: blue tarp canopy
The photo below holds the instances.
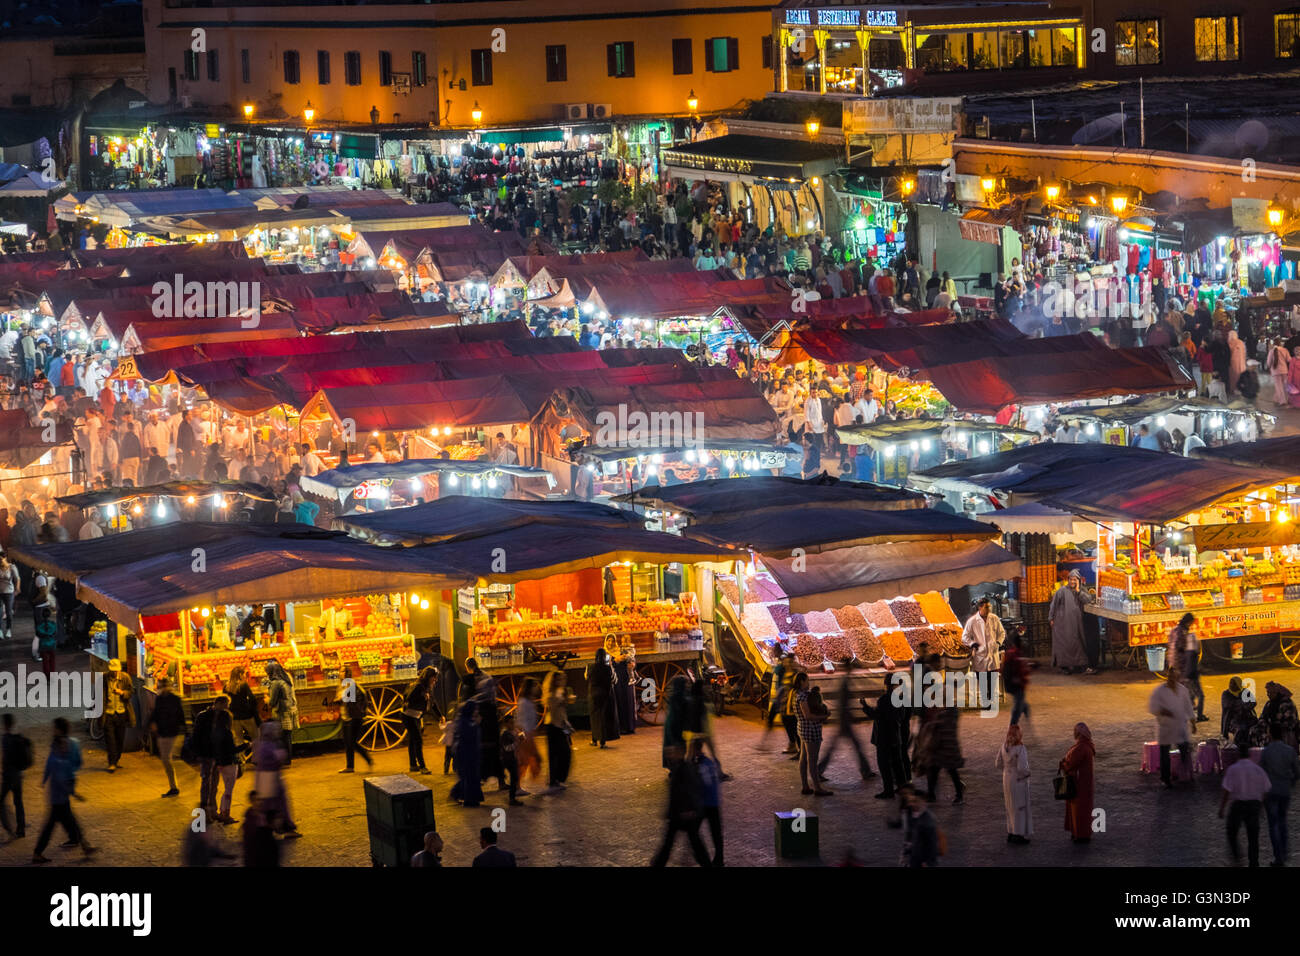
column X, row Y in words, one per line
column 135, row 574
column 1278, row 454
column 725, row 498
column 1103, row 482
column 459, row 516
column 814, row 529
column 339, row 482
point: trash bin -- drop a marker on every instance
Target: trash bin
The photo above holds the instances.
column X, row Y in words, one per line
column 399, row 811
column 1156, row 659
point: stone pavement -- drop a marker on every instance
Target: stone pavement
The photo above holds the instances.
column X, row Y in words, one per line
column 611, row 814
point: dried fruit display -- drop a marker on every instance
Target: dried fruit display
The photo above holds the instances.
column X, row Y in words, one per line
column 948, row 639
column 729, row 590
column 916, row 636
column 837, row 647
column 896, row 646
column 907, row 612
column 758, row 622
column 935, row 608
column 866, row 646
column 808, row 651
column 821, row 622
column 786, row 622
column 848, row 617
column 878, row 614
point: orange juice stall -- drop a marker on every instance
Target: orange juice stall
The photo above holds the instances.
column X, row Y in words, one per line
column 191, row 601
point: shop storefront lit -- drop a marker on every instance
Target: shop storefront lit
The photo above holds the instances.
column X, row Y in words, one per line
column 864, row 49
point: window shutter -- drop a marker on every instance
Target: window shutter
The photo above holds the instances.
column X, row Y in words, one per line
column 631, row 59
column 708, row 56
column 612, row 57
column 733, row 53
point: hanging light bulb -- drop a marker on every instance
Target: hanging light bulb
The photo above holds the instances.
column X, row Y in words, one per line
column 110, row 510
column 889, row 451
column 984, row 447
column 137, row 510
column 690, row 456
column 729, row 463
column 447, row 430
column 189, row 500
column 424, row 605
column 415, row 484
column 161, row 512
column 651, row 471
column 415, row 598
column 1241, row 425
column 925, row 444
column 492, row 481
column 476, row 484
column 452, row 480
column 591, row 468
column 206, row 612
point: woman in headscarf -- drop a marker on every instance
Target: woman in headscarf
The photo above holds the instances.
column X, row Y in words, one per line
column 269, row 756
column 283, row 704
column 1236, row 359
column 624, row 687
column 469, row 755
column 1013, row 761
column 1065, row 614
column 1280, row 709
column 1279, row 369
column 600, row 696
column 1078, row 764
column 1293, row 379
column 1238, row 715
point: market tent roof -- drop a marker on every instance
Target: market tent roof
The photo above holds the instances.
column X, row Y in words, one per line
column 525, row 267
column 1038, row 375
column 169, row 489
column 881, row 571
column 813, row 529
column 460, row 403
column 243, row 568
column 238, row 223
column 162, row 334
column 735, row 156
column 914, row 429
column 339, row 482
column 727, row 408
column 743, row 449
column 190, row 358
column 536, row 539
column 22, row 443
column 1103, row 482
column 1141, row 407
column 724, row 498
column 31, row 186
column 1277, row 454
column 458, row 516
column 123, row 208
column 915, row 347
column 1030, row 518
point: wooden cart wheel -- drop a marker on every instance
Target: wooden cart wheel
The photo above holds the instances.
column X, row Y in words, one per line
column 507, row 696
column 661, row 675
column 1290, row 645
column 382, row 727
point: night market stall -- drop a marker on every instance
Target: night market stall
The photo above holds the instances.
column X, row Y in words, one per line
column 1172, row 535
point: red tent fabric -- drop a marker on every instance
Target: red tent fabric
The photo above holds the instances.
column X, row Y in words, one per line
column 991, row 383
column 918, row 347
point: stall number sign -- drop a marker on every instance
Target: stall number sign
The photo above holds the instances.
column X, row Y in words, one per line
column 1231, row 622
column 771, row 459
column 126, row 369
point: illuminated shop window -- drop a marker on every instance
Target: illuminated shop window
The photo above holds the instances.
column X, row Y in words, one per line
column 1137, row 42
column 1216, row 38
column 1286, row 35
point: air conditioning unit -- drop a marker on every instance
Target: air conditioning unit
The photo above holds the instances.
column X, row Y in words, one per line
column 575, row 111
column 601, row 111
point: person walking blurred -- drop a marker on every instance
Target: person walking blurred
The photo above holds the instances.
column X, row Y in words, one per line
column 60, row 779
column 1245, row 785
column 559, row 753
column 352, row 711
column 269, row 756
column 417, row 702
column 15, row 759
column 468, row 790
column 528, row 720
column 890, row 737
column 600, row 696
column 1078, row 763
column 168, row 725
column 224, row 756
column 684, row 807
column 1013, row 761
column 844, row 727
column 1280, row 762
column 1171, row 705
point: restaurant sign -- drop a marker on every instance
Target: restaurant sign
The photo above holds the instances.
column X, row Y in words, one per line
column 1255, row 534
column 841, row 17
column 865, row 117
column 712, row 164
